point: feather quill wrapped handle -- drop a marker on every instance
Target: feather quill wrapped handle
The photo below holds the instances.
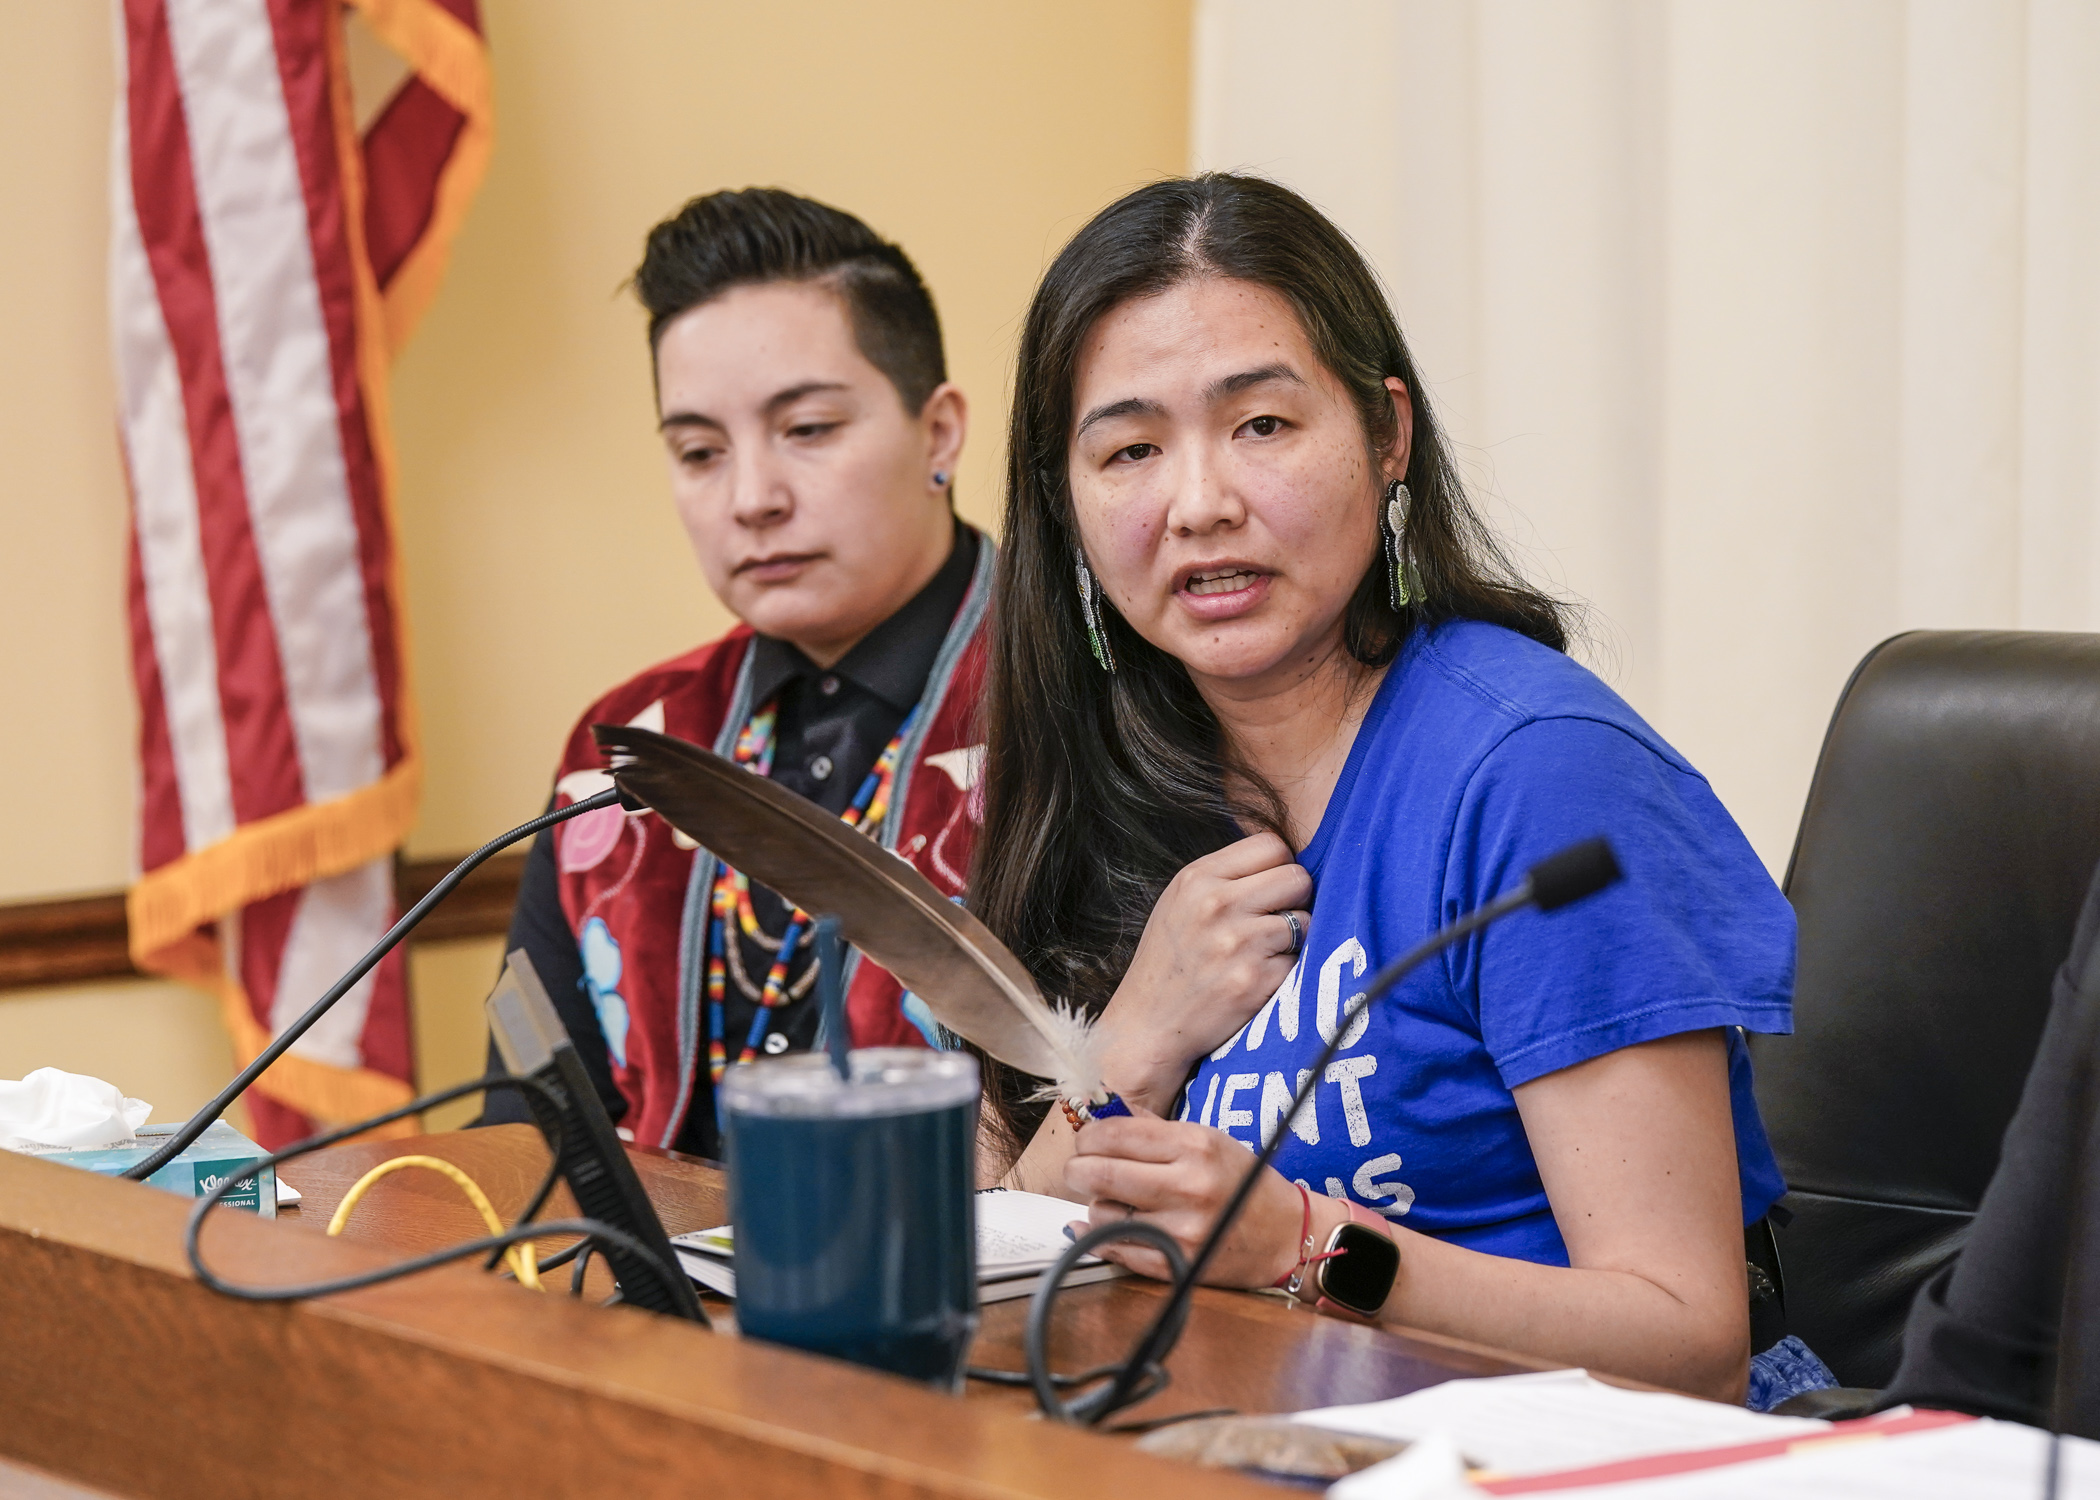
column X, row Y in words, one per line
column 1077, row 1115
column 972, row 983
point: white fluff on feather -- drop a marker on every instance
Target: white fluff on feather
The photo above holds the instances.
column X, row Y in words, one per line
column 1071, row 1036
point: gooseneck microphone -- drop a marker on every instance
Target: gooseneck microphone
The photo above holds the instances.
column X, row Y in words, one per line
column 201, row 1121
column 1562, row 879
column 1577, row 872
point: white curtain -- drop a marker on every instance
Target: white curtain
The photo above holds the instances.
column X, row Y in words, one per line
column 1769, row 330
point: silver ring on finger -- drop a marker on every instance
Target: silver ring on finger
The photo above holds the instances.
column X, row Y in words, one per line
column 1297, row 934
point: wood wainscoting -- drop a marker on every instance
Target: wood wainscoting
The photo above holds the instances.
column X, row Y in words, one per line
column 85, row 938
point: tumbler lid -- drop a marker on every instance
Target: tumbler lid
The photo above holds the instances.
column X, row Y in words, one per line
column 884, row 1081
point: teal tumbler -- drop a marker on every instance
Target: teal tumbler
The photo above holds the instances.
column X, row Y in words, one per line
column 854, row 1206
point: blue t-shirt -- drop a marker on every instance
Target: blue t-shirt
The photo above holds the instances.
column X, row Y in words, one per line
column 1482, row 753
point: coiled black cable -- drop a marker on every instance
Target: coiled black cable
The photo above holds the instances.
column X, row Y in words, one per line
column 525, row 1229
column 1093, row 1405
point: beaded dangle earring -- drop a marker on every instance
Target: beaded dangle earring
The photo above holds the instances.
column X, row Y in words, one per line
column 1090, row 611
column 1393, row 522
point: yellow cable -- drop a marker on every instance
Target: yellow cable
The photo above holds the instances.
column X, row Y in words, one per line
column 524, row 1262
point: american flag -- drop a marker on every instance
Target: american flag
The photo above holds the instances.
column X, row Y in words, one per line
column 267, row 260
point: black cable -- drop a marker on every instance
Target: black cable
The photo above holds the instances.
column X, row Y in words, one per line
column 583, row 1263
column 594, row 1228
column 540, row 1194
column 1022, row 1379
column 561, row 1258
column 1143, row 1372
column 324, row 1139
column 523, row 1230
column 1094, row 1405
column 202, row 1120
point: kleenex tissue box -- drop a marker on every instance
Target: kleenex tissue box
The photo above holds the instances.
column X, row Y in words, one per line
column 211, row 1158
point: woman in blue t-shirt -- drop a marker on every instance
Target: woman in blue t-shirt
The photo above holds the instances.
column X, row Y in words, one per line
column 1241, row 589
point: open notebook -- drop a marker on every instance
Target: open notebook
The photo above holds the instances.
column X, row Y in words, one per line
column 1019, row 1237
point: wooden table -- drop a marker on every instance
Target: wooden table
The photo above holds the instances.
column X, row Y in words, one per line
column 1244, row 1351
column 119, row 1371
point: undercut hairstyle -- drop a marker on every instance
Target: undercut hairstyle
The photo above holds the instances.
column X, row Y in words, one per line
column 1099, row 787
column 759, row 235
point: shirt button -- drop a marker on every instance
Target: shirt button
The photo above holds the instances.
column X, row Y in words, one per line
column 821, row 768
column 775, row 1043
column 828, row 685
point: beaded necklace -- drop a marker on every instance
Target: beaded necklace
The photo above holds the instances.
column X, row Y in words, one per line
column 730, row 900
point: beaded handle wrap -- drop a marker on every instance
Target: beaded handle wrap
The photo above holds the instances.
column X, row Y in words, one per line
column 1078, row 1114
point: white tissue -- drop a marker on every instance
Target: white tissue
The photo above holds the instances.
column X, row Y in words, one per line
column 52, row 1110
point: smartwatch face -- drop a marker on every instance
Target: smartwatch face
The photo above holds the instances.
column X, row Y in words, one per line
column 1362, row 1278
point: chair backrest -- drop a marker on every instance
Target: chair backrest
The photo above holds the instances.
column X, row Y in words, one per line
column 1951, row 830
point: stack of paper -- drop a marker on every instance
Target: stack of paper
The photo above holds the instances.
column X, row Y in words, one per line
column 1916, row 1456
column 1019, row 1237
column 1562, row 1419
column 1564, row 1433
column 1961, row 1460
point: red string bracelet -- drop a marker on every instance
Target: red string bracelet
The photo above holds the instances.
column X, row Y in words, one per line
column 1294, row 1278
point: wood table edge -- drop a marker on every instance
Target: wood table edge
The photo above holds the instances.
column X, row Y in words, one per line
column 825, row 1427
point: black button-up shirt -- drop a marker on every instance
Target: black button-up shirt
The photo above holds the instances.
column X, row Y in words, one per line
column 829, row 727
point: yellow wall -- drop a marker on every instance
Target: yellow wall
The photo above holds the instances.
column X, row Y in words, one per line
column 543, row 560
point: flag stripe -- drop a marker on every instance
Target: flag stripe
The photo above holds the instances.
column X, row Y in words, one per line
column 160, row 801
column 280, row 386
column 406, row 149
column 303, row 66
column 180, row 656
column 340, row 916
column 337, row 919
column 262, row 760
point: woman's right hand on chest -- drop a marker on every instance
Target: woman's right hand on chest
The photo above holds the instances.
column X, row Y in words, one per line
column 1214, row 950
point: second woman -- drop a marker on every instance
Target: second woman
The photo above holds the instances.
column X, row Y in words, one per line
column 1266, row 708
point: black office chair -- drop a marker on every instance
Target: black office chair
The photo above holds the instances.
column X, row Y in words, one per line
column 1951, row 829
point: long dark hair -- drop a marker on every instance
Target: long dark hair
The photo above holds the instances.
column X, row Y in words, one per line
column 1100, row 786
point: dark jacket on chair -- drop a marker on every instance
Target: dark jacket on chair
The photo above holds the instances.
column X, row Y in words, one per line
column 1982, row 1335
